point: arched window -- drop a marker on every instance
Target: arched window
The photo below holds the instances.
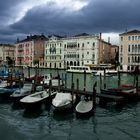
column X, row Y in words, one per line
column 78, row 45
column 135, row 59
column 132, row 48
column 71, row 63
column 128, row 68
column 78, row 63
column 67, row 63
column 74, row 63
column 135, row 48
column 138, row 59
column 54, row 65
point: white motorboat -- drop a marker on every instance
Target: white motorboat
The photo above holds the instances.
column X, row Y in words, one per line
column 84, row 107
column 22, row 92
column 3, row 84
column 35, row 100
column 112, row 72
column 79, row 69
column 101, row 72
column 63, row 101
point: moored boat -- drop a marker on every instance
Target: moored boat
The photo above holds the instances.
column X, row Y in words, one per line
column 63, row 101
column 3, row 84
column 84, row 107
column 79, row 69
column 35, row 100
column 6, row 92
column 128, row 92
column 22, row 92
column 37, row 78
column 101, row 72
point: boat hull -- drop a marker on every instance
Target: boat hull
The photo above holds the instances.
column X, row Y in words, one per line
column 84, row 109
column 39, row 104
column 62, row 108
column 5, row 93
column 17, row 98
column 63, row 102
column 128, row 93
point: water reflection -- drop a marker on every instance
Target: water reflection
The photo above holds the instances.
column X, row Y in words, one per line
column 32, row 113
column 16, row 106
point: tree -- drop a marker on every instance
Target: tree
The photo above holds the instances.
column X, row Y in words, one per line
column 115, row 61
column 10, row 61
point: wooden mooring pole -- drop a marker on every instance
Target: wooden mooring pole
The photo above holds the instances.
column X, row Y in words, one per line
column 119, row 79
column 77, row 94
column 72, row 93
column 59, row 83
column 84, row 80
column 94, row 95
column 72, row 78
column 104, row 78
column 62, row 79
column 28, row 71
column 100, row 81
column 137, row 83
column 50, row 87
column 77, row 83
column 65, row 80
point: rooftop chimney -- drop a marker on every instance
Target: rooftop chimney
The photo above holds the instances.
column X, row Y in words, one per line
column 108, row 39
column 100, row 37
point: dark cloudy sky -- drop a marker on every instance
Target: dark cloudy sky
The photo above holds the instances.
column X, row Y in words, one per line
column 19, row 18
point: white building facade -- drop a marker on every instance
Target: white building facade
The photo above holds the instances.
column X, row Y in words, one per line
column 71, row 51
column 129, row 50
column 54, row 52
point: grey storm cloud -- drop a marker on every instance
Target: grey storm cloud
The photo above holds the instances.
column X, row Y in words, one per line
column 97, row 16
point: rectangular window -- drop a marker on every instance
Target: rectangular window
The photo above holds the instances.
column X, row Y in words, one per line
column 132, row 37
column 121, row 59
column 139, row 48
column 128, row 48
column 121, row 48
column 128, row 59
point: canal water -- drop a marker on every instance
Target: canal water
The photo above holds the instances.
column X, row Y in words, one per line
column 107, row 123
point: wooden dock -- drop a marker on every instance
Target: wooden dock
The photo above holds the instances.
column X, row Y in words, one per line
column 105, row 98
column 110, row 97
